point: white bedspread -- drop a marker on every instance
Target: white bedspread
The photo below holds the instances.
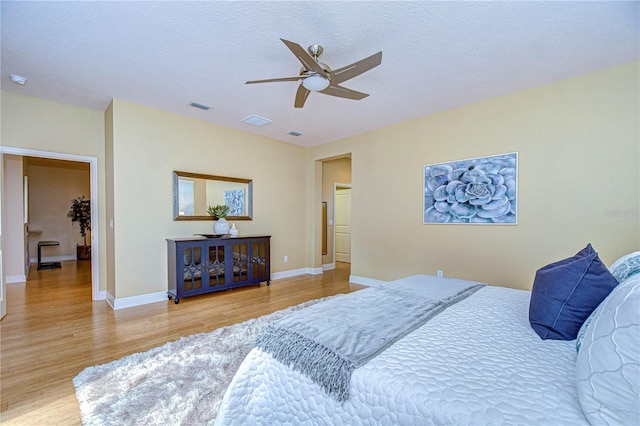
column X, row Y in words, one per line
column 479, row 362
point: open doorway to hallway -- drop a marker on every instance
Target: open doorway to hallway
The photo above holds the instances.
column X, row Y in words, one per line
column 42, row 212
column 336, row 193
column 40, row 236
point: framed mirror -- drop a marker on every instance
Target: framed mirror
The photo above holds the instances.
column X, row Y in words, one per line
column 194, row 192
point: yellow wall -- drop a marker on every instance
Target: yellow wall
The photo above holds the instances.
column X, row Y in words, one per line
column 13, row 219
column 38, row 124
column 148, row 145
column 579, row 182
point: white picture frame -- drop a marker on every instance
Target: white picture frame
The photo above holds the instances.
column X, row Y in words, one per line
column 475, row 191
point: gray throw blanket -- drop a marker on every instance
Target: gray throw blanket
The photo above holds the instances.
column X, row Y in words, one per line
column 327, row 341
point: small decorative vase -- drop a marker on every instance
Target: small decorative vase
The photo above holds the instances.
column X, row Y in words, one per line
column 234, row 231
column 221, row 226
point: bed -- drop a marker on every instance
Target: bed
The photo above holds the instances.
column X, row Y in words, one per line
column 479, row 361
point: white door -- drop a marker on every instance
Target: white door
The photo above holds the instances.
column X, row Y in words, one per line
column 343, row 225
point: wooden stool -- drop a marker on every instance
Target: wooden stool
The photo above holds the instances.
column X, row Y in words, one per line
column 47, row 265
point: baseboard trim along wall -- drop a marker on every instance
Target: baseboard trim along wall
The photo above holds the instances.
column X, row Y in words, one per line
column 53, row 258
column 329, row 266
column 130, row 302
column 355, row 279
column 15, row 279
column 296, row 272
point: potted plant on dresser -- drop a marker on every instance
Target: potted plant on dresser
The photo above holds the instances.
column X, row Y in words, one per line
column 81, row 212
column 220, row 213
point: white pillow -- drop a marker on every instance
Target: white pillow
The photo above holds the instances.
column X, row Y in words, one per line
column 608, row 363
column 626, row 266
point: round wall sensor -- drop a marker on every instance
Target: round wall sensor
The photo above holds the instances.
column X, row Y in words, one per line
column 18, row 79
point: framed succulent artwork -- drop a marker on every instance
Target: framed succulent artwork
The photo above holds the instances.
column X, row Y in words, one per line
column 234, row 199
column 480, row 191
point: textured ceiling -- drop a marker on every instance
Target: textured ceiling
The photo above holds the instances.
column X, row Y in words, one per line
column 436, row 55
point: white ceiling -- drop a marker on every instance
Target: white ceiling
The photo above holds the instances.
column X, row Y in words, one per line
column 436, row 55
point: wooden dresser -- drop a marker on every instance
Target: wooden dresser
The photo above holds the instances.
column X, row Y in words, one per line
column 199, row 265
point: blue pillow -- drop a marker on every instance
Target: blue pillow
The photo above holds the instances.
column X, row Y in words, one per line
column 565, row 293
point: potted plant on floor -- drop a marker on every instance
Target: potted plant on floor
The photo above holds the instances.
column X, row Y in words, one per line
column 81, row 212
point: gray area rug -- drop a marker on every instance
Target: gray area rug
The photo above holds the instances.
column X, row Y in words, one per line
column 179, row 383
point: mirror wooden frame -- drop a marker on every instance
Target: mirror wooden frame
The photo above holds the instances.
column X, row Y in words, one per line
column 176, row 196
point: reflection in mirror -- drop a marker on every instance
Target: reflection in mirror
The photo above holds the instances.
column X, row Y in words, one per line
column 193, row 193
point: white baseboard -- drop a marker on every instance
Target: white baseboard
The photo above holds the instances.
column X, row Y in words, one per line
column 101, row 295
column 296, row 272
column 53, row 258
column 355, row 279
column 110, row 299
column 329, row 266
column 130, row 302
column 15, row 279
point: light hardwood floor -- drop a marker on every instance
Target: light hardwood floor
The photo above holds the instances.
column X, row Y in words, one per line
column 53, row 331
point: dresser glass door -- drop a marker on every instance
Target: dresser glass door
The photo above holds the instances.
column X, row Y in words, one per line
column 215, row 266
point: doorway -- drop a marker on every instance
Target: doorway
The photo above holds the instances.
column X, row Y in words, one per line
column 335, row 174
column 93, row 194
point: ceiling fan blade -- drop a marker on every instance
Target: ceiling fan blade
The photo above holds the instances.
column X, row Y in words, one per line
column 345, row 73
column 305, row 58
column 271, row 80
column 301, row 96
column 343, row 92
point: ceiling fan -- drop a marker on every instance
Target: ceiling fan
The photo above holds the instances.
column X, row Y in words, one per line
column 318, row 77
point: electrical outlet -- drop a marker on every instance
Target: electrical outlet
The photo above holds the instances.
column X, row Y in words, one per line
column 440, row 273
column 286, row 259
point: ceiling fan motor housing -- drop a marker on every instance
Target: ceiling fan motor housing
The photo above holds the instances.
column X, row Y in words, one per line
column 315, row 50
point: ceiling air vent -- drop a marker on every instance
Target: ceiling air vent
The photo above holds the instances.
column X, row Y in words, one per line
column 256, row 120
column 200, row 106
column 292, row 133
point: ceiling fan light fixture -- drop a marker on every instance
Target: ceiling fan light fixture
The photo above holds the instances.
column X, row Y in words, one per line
column 315, row 83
